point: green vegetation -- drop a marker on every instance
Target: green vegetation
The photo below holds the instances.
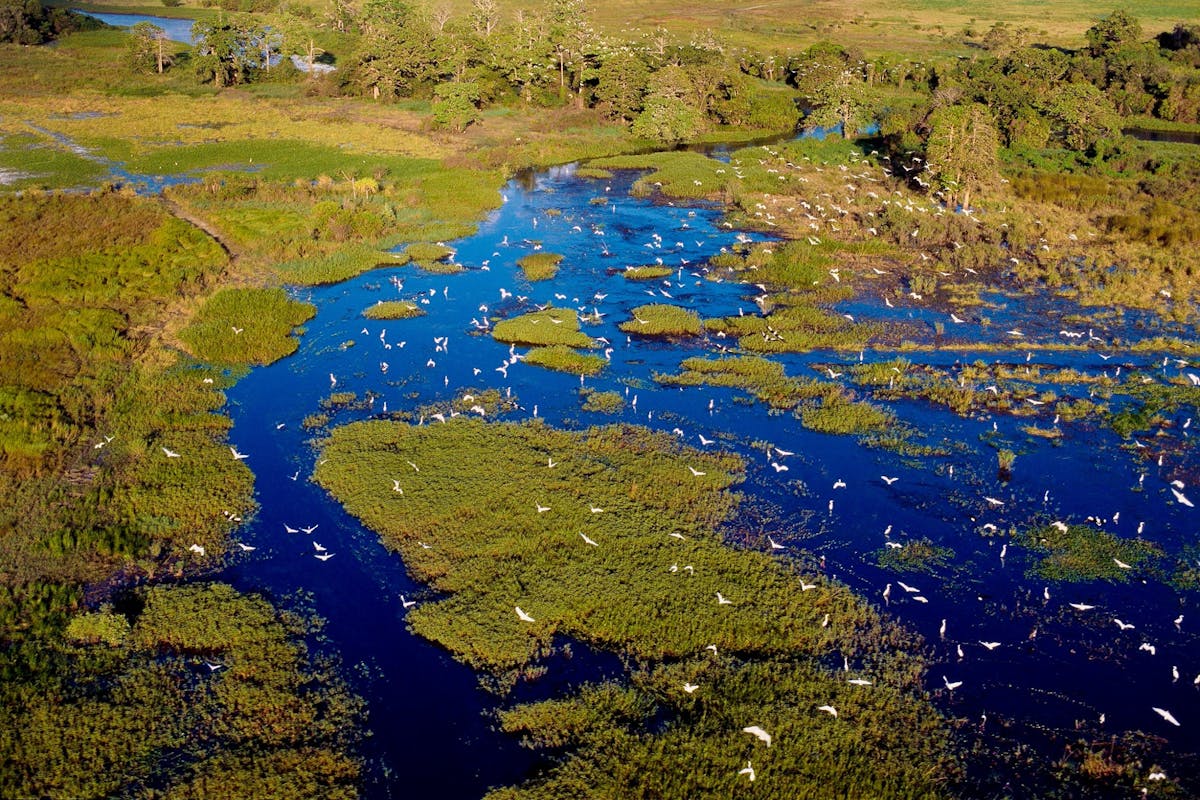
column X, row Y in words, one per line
column 338, row 266
column 554, row 326
column 564, row 359
column 246, row 327
column 1085, row 553
column 539, row 266
column 602, row 402
column 130, row 699
column 918, row 555
column 659, row 319
column 469, row 525
column 762, row 378
column 393, row 309
column 646, row 273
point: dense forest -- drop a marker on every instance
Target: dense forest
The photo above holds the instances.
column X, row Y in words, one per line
column 124, row 671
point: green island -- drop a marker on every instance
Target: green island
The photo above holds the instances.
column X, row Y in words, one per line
column 521, row 547
column 159, row 199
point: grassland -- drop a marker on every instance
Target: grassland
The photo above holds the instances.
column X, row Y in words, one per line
column 539, row 266
column 554, row 326
column 504, row 517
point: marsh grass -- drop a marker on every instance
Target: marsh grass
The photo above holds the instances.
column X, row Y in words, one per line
column 246, row 327
column 468, row 525
column 554, row 326
column 918, row 555
column 563, row 359
column 393, row 309
column 1084, row 553
column 660, row 319
column 646, row 273
column 601, row 402
column 539, row 266
column 151, row 711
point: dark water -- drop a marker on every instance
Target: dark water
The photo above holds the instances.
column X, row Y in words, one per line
column 431, row 734
column 1148, row 135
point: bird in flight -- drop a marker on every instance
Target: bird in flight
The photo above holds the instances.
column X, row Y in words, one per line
column 722, row 601
column 828, row 710
column 236, row 455
column 887, row 480
column 170, row 453
column 747, row 770
column 1167, row 715
column 589, row 541
column 695, row 471
column 523, row 616
column 1081, row 606
column 310, row 529
column 324, row 556
column 951, row 685
column 407, row 603
column 690, row 687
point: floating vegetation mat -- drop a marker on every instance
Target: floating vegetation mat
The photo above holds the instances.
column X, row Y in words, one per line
column 523, row 545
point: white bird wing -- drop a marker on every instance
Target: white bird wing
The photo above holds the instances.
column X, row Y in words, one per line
column 1167, row 715
column 523, row 616
column 761, row 734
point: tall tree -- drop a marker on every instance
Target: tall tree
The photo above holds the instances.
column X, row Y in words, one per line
column 147, row 48
column 226, row 53
column 839, row 102
column 484, row 17
column 963, row 152
column 667, row 115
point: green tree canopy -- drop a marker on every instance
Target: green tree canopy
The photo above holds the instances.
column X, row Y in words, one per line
column 963, row 152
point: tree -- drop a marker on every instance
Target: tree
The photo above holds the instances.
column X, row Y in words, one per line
column 398, row 56
column 484, row 17
column 840, row 102
column 1083, row 116
column 1119, row 29
column 963, row 152
column 147, row 48
column 621, row 84
column 455, row 105
column 226, row 53
column 667, row 117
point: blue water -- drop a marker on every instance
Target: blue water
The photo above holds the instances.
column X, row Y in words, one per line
column 178, row 30
column 431, row 733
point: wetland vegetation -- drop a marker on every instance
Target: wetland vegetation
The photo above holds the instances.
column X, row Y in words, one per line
column 975, row 223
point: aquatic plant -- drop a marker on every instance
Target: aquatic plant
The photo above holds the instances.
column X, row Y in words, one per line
column 916, row 555
column 553, row 326
column 646, row 273
column 199, row 689
column 601, row 402
column 539, row 266
column 246, row 326
column 342, row 264
column 1085, row 553
column 660, row 319
column 393, row 309
column 505, row 520
column 564, row 359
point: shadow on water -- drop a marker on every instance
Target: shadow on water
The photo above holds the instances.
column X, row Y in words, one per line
column 429, row 719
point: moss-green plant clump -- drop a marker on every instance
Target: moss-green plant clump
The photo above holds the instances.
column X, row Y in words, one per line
column 554, row 326
column 919, row 555
column 646, row 273
column 540, row 266
column 660, row 319
column 246, row 326
column 563, row 359
column 393, row 309
column 523, row 546
column 601, row 402
column 1085, row 553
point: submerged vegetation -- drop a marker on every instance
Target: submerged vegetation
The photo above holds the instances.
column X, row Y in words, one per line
column 504, row 522
column 1087, row 553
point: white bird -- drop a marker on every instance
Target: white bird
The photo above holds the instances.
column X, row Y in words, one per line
column 1081, row 606
column 523, row 616
column 784, row 453
column 722, row 600
column 1181, row 498
column 774, row 545
column 887, row 480
column 690, row 687
column 907, row 588
column 860, row 682
column 779, row 467
column 993, row 501
column 246, row 548
column 1122, row 625
column 318, row 547
column 990, row 645
column 407, row 603
column 704, row 441
column 170, row 453
column 589, row 541
column 324, row 556
column 541, row 508
column 695, row 471
column 747, row 770
column 828, row 710
column 396, row 486
column 1121, row 564
column 761, row 734
column 1156, row 776
column 236, row 455
column 197, row 549
column 310, row 529
column 839, row 484
column 951, row 685
column 1167, row 715
column 290, row 529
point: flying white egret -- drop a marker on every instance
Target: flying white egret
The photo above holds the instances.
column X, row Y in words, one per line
column 828, row 710
column 1167, row 715
column 523, row 616
column 760, row 733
